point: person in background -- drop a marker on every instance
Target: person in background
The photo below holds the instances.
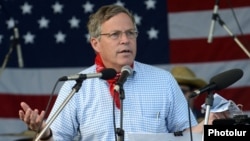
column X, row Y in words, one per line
column 93, row 112
column 189, row 82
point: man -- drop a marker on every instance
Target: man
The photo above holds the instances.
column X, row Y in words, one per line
column 149, row 105
column 188, row 82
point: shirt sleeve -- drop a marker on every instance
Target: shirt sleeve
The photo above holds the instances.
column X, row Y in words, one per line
column 178, row 118
column 66, row 116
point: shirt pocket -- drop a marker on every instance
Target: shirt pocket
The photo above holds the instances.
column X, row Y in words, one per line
column 154, row 124
column 151, row 122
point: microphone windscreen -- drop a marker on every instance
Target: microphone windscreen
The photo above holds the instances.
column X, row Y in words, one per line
column 226, row 78
column 108, row 73
column 128, row 69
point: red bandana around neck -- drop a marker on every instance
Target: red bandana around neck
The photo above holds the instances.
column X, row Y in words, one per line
column 114, row 94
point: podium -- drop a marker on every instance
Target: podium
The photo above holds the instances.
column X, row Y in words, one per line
column 163, row 136
column 14, row 138
column 23, row 136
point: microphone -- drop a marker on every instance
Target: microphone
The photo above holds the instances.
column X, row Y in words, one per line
column 104, row 74
column 220, row 81
column 18, row 47
column 125, row 72
column 214, row 17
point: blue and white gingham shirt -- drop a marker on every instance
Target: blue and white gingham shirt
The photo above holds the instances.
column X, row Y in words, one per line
column 153, row 103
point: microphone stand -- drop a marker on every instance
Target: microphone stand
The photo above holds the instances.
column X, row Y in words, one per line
column 75, row 89
column 120, row 131
column 12, row 44
column 222, row 23
column 208, row 102
column 214, row 15
column 18, row 47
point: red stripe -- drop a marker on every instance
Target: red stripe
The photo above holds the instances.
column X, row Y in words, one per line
column 198, row 50
column 238, row 95
column 195, row 5
column 11, row 103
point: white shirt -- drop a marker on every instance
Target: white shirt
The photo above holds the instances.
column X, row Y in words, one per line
column 153, row 103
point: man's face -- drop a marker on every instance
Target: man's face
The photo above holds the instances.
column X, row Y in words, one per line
column 116, row 46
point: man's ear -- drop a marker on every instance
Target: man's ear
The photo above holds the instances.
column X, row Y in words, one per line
column 95, row 44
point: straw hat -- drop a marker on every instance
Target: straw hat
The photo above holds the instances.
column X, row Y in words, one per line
column 185, row 76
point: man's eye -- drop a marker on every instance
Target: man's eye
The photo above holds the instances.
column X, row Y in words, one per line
column 130, row 33
column 115, row 34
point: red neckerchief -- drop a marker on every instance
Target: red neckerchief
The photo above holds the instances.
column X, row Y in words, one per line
column 114, row 94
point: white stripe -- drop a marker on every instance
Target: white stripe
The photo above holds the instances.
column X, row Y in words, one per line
column 11, row 125
column 41, row 81
column 210, row 69
column 33, row 81
column 189, row 25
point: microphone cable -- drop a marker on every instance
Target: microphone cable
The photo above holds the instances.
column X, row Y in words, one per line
column 114, row 123
column 47, row 108
column 189, row 119
column 229, row 2
column 222, row 24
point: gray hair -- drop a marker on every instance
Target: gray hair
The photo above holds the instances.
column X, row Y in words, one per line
column 103, row 14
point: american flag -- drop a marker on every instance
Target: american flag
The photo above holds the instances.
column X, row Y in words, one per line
column 53, row 43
